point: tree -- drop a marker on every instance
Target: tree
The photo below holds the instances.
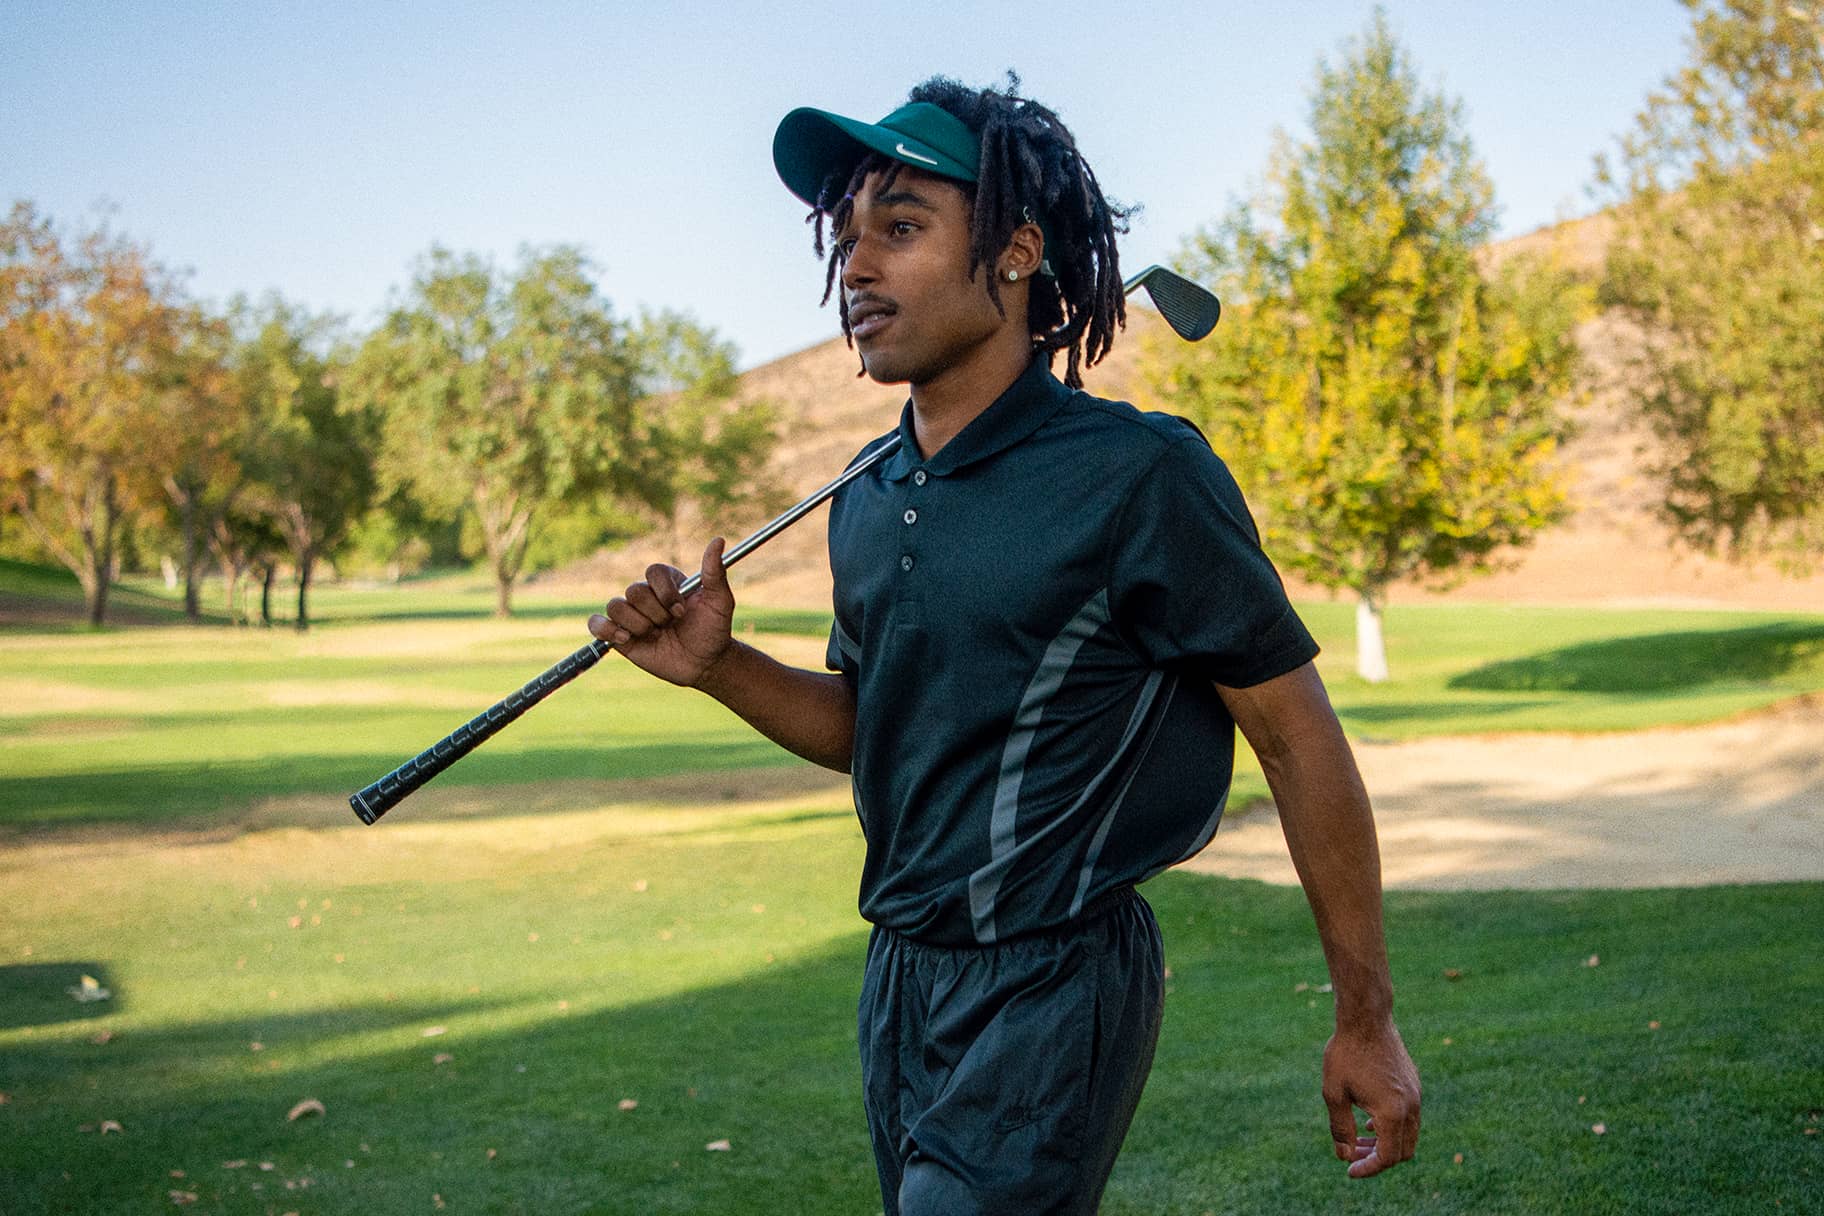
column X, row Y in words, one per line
column 308, row 454
column 711, row 449
column 1389, row 406
column 89, row 332
column 191, row 457
column 511, row 398
column 1718, row 254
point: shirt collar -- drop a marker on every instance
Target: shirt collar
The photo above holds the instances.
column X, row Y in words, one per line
column 1027, row 404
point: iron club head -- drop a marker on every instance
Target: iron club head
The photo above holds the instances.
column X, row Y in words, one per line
column 1190, row 310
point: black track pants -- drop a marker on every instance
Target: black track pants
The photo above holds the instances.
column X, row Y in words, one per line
column 1002, row 1079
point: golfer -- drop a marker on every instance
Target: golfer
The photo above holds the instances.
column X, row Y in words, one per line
column 1052, row 611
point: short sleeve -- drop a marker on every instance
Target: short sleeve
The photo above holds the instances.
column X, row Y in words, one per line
column 1188, row 582
column 842, row 654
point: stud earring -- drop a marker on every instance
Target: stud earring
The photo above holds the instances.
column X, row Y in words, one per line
column 1013, row 276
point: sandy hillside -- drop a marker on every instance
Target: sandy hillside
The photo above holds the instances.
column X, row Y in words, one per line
column 1611, row 550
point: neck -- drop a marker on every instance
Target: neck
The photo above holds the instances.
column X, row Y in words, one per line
column 949, row 401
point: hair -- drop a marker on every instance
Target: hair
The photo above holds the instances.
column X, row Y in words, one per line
column 1030, row 170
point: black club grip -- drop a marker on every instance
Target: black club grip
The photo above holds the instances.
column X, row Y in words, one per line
column 383, row 795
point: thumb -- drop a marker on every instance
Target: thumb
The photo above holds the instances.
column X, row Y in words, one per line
column 715, row 574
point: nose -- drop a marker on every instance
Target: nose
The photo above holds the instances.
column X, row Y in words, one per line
column 858, row 268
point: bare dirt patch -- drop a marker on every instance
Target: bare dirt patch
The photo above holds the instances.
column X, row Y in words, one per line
column 1742, row 801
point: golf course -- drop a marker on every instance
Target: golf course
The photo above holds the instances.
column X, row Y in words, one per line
column 608, row 963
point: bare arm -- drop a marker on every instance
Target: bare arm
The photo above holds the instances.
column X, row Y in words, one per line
column 688, row 641
column 1324, row 811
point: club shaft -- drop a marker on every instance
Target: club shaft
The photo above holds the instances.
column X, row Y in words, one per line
column 381, row 796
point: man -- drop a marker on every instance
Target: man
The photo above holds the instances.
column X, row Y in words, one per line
column 1051, row 613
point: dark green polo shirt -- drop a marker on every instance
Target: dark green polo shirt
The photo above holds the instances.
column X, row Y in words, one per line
column 1033, row 620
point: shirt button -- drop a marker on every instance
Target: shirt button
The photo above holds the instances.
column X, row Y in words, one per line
column 910, row 516
column 918, row 478
column 905, row 563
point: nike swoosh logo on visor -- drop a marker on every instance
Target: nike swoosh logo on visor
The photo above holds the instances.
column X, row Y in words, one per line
column 905, row 151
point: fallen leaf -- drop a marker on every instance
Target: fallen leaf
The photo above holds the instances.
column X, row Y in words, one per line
column 5, row 1098
column 1324, row 988
column 759, row 909
column 1453, row 973
column 103, row 1037
column 639, row 884
column 492, row 1154
column 180, row 1198
column 431, row 1032
column 1168, row 973
column 1652, row 1025
column 531, row 937
column 234, row 1165
column 349, row 1164
column 1301, row 986
column 626, row 1104
column 309, row 1106
column 1448, row 1040
column 109, row 1125
column 267, row 1166
column 256, row 1045
column 178, row 1174
column 341, row 958
column 295, row 921
column 1580, row 1099
column 437, row 1201
column 1601, row 1129
column 1457, row 1160
column 563, row 1006
column 1595, row 960
column 442, row 1057
column 89, row 989
column 718, row 1146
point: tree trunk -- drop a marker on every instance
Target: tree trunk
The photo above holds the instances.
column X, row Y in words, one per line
column 266, row 580
column 1370, row 648
column 193, row 606
column 503, row 593
column 305, row 563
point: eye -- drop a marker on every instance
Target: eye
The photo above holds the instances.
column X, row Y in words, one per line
column 902, row 228
column 844, row 248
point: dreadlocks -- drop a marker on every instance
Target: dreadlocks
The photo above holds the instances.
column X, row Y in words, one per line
column 1030, row 171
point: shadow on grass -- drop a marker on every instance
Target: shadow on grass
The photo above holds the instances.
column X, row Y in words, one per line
column 1661, row 662
column 529, row 1117
column 45, row 994
column 185, row 794
column 526, row 1119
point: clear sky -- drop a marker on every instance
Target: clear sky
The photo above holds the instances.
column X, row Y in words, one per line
column 318, row 149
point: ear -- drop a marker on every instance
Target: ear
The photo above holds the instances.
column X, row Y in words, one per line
column 1024, row 254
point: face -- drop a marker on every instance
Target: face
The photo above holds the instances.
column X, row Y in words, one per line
column 914, row 310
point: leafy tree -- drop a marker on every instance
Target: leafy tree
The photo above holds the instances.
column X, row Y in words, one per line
column 308, row 455
column 1390, row 407
column 191, row 457
column 1719, row 255
column 90, row 329
column 710, row 449
column 512, row 398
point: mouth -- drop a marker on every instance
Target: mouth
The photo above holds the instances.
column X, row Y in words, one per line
column 868, row 317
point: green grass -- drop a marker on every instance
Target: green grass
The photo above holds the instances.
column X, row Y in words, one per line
column 704, row 964
column 588, row 920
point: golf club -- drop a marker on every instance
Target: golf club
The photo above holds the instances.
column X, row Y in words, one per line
column 1190, row 310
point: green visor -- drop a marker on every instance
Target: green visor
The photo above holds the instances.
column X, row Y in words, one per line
column 812, row 146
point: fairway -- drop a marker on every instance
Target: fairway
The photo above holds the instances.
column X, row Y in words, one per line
column 624, row 931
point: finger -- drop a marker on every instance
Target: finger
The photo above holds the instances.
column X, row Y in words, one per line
column 601, row 627
column 646, row 601
column 1399, row 1136
column 1342, row 1125
column 630, row 620
column 665, row 581
column 1368, row 1166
